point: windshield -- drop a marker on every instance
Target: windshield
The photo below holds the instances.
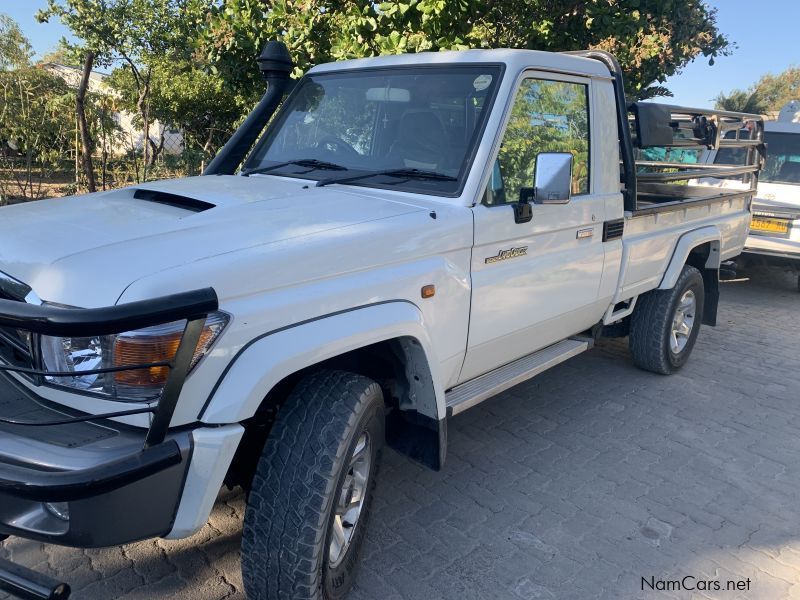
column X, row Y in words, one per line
column 783, row 158
column 422, row 122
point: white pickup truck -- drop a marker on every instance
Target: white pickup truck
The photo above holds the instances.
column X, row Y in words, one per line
column 775, row 229
column 409, row 236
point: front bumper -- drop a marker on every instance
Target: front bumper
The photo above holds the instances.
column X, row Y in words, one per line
column 114, row 489
column 77, row 479
column 774, row 251
column 777, row 249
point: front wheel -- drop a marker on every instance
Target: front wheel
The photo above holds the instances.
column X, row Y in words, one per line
column 310, row 501
column 665, row 324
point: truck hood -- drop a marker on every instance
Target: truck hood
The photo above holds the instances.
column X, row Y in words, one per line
column 778, row 195
column 85, row 250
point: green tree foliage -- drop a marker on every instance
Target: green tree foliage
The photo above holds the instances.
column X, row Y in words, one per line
column 36, row 129
column 190, row 63
column 134, row 32
column 742, row 101
column 128, row 31
column 65, row 54
column 777, row 90
column 189, row 98
column 768, row 94
column 548, row 116
column 158, row 76
column 653, row 38
column 15, row 49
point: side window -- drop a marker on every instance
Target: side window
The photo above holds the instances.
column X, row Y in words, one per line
column 547, row 116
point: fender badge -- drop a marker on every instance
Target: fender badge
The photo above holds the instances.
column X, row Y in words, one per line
column 506, row 254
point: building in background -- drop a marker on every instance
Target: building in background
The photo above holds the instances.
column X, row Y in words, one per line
column 129, row 136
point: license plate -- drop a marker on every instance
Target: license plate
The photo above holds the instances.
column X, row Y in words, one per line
column 768, row 225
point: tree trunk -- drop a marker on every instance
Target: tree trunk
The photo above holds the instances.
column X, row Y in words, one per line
column 142, row 105
column 86, row 140
column 207, row 148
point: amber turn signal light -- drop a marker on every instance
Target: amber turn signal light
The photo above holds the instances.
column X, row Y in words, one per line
column 151, row 349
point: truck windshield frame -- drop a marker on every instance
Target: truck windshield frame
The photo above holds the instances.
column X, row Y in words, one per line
column 373, row 120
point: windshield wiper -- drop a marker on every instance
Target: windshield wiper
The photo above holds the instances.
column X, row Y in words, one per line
column 311, row 163
column 401, row 173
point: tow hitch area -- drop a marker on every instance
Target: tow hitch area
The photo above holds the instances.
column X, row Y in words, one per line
column 29, row 585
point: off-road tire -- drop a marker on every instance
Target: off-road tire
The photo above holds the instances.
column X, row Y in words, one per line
column 289, row 515
column 651, row 324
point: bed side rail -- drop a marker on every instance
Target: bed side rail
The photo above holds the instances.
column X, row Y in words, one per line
column 693, row 155
column 663, row 148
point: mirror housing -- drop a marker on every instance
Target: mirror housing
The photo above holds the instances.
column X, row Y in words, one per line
column 553, row 178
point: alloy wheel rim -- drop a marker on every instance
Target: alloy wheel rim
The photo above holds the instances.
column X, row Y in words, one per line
column 683, row 322
column 350, row 501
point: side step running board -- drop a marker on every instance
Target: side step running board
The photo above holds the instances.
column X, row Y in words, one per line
column 472, row 392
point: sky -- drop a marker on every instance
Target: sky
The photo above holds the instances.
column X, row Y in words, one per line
column 43, row 36
column 764, row 32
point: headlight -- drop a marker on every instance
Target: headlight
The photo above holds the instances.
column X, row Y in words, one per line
column 149, row 345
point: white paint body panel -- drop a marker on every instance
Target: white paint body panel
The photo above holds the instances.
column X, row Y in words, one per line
column 212, row 452
column 542, row 297
column 650, row 241
column 307, row 273
column 277, row 355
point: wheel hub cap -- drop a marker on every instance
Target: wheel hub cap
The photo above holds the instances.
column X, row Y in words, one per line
column 683, row 322
column 350, row 500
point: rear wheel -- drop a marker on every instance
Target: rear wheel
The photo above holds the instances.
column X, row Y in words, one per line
column 311, row 496
column 665, row 324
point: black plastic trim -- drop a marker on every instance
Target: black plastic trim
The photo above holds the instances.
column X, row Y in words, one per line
column 418, row 436
column 711, row 304
column 87, row 322
column 12, row 288
column 628, row 175
column 782, row 259
column 64, row 486
column 175, row 200
column 276, row 65
column 690, row 203
column 613, row 230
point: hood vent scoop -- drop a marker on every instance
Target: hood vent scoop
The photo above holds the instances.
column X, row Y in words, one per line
column 191, row 204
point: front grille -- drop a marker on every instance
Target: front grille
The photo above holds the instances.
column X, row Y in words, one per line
column 15, row 344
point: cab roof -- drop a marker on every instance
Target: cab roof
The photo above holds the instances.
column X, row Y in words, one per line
column 514, row 60
column 788, row 120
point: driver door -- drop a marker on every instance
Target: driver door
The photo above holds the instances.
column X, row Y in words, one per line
column 535, row 283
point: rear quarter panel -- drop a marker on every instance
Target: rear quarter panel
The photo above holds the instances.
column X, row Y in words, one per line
column 650, row 240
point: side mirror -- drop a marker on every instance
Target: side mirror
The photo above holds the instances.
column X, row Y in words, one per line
column 553, row 178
